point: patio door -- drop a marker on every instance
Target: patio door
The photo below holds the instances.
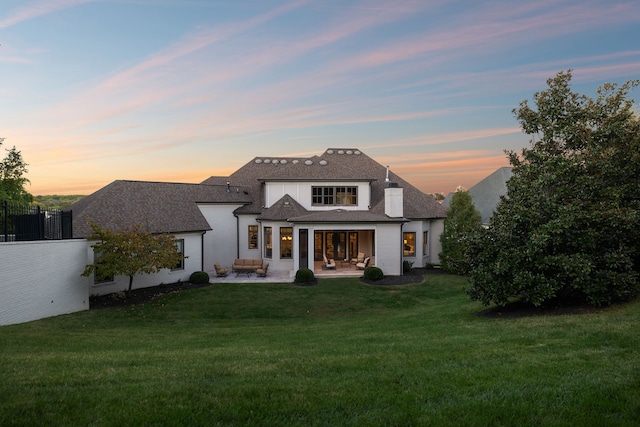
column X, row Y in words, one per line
column 337, row 245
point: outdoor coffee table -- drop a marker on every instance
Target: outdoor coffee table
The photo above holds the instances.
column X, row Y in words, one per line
column 240, row 271
column 344, row 263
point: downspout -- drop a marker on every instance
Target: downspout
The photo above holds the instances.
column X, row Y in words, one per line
column 402, row 249
column 237, row 235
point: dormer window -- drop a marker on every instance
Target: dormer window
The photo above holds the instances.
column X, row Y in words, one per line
column 334, row 196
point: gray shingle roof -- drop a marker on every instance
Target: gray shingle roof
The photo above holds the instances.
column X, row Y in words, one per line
column 156, row 206
column 486, row 193
column 172, row 207
column 343, row 215
column 283, row 209
column 334, row 164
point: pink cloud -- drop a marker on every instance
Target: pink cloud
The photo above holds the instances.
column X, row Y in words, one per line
column 498, row 27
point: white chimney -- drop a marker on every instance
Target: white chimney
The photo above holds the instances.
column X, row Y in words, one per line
column 393, row 200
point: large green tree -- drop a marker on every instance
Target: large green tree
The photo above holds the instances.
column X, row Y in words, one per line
column 569, row 227
column 130, row 252
column 12, row 177
column 462, row 222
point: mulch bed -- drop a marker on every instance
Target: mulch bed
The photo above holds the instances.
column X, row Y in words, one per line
column 143, row 295
column 415, row 277
column 140, row 296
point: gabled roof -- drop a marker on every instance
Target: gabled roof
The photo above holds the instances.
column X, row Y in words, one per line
column 282, row 210
column 159, row 207
column 335, row 164
column 164, row 207
column 486, row 193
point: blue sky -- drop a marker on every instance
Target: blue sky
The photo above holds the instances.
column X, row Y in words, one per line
column 169, row 90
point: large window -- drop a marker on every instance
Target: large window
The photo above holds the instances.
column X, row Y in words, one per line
column 286, row 242
column 334, row 196
column 268, row 245
column 409, row 240
column 253, row 237
column 180, row 247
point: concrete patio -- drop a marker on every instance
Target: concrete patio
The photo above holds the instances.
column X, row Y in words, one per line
column 286, row 276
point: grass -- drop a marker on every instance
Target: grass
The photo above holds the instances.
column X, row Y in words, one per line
column 340, row 353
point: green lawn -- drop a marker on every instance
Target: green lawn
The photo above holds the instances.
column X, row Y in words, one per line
column 340, row 353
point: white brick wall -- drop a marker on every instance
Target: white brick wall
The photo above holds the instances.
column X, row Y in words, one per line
column 42, row 279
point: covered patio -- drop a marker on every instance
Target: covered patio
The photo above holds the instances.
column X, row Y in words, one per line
column 343, row 269
column 281, row 276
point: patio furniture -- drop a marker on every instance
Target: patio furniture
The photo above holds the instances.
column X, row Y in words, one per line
column 329, row 264
column 262, row 271
column 363, row 265
column 359, row 258
column 246, row 266
column 220, row 271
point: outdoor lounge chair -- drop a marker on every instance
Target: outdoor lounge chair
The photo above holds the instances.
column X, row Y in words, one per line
column 363, row 265
column 359, row 258
column 262, row 271
column 220, row 271
column 331, row 263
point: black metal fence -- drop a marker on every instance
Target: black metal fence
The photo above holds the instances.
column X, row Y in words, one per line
column 19, row 222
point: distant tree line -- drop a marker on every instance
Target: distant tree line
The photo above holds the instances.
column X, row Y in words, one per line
column 55, row 201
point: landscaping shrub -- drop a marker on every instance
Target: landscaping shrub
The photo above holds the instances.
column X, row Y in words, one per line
column 199, row 277
column 407, row 266
column 373, row 273
column 304, row 275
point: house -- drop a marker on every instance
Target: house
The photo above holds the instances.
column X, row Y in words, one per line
column 289, row 211
column 486, row 193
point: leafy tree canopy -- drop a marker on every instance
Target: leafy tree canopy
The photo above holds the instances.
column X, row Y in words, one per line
column 569, row 227
column 130, row 252
column 12, row 180
column 463, row 220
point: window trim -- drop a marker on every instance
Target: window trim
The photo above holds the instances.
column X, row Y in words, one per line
column 286, row 241
column 268, row 242
column 253, row 230
column 180, row 264
column 406, row 237
column 425, row 243
column 343, row 195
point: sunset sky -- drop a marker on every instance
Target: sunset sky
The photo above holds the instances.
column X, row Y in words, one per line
column 178, row 90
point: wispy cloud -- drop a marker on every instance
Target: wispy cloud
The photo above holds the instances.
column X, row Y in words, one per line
column 416, row 84
column 194, row 42
column 37, row 9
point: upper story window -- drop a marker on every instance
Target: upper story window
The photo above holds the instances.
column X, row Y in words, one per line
column 331, row 196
